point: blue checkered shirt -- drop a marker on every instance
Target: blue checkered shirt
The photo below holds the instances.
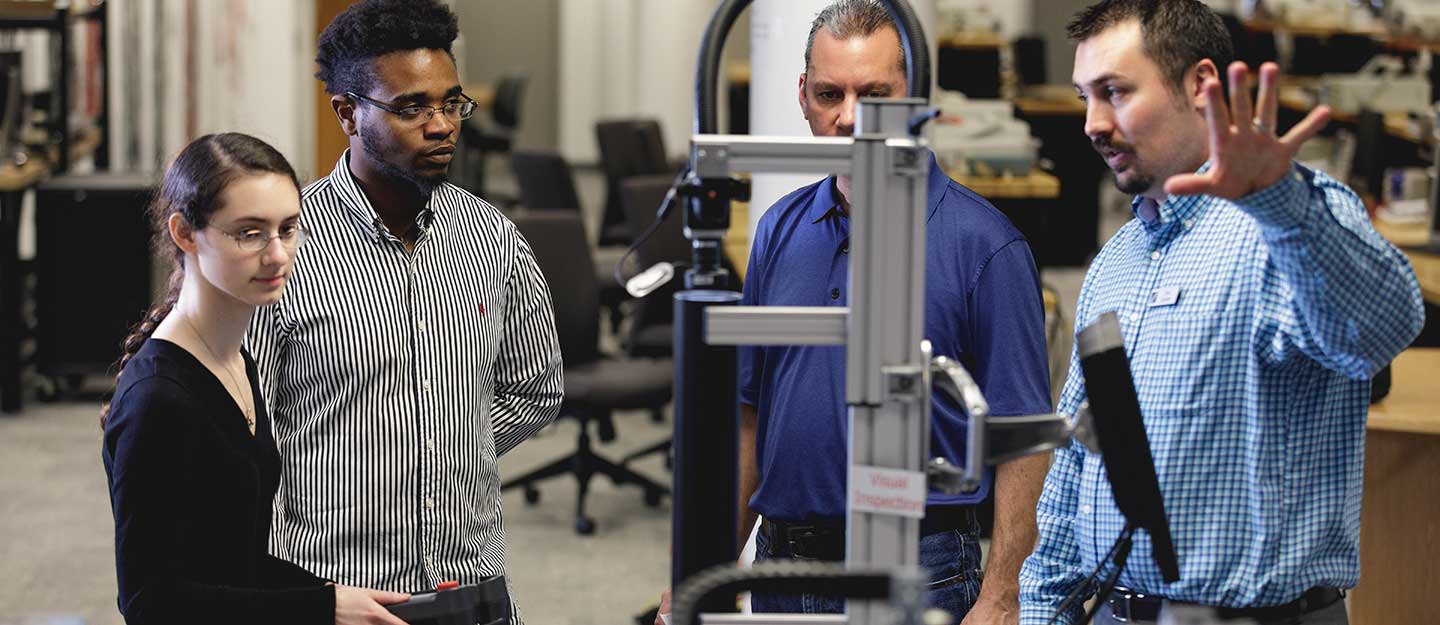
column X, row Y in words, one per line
column 1254, row 387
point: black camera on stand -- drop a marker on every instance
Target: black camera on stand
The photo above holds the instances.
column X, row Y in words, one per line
column 707, row 218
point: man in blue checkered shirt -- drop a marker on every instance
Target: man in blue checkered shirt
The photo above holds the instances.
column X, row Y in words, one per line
column 1256, row 301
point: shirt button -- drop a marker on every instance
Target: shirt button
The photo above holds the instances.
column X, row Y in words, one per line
column 1155, row 255
column 1134, row 316
column 425, row 385
column 1189, row 223
column 844, row 248
column 429, row 561
column 834, row 293
column 1085, row 509
column 429, row 502
column 430, row 444
column 420, row 325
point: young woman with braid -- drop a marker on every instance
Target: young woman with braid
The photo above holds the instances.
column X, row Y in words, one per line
column 188, row 449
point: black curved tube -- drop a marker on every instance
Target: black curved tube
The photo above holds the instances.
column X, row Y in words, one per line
column 724, row 581
column 707, row 71
column 917, row 49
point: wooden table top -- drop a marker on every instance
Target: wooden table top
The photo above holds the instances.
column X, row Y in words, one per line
column 1035, row 185
column 1413, row 404
column 16, row 178
column 1427, row 266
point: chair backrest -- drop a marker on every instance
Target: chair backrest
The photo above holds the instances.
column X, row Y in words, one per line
column 641, row 196
column 545, row 180
column 628, row 147
column 506, row 110
column 631, row 147
column 563, row 254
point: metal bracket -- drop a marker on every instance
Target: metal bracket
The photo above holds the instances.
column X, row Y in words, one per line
column 904, row 159
column 904, row 383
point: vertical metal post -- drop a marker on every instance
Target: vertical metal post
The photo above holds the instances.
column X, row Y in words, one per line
column 61, row 105
column 884, row 363
column 12, row 291
column 706, row 444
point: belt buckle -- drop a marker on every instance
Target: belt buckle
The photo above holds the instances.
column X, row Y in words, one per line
column 1125, row 595
column 797, row 536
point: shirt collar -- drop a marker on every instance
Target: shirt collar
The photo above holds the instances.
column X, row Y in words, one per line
column 827, row 198
column 826, row 203
column 358, row 206
column 1184, row 210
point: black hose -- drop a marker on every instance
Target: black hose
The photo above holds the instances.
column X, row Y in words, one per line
column 777, row 576
column 917, row 50
column 707, row 72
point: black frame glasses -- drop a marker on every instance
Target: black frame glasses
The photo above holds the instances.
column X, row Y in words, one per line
column 418, row 114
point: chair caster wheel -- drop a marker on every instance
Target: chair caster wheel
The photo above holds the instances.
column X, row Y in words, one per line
column 532, row 495
column 652, row 498
column 584, row 526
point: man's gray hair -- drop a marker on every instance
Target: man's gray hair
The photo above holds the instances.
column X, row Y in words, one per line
column 852, row 18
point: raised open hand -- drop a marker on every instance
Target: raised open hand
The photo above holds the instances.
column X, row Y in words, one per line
column 1245, row 154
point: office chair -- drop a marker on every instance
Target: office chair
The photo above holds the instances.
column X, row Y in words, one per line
column 498, row 138
column 596, row 385
column 628, row 147
column 546, row 182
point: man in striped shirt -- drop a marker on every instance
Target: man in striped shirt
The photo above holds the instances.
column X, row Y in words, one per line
column 416, row 343
column 1256, row 301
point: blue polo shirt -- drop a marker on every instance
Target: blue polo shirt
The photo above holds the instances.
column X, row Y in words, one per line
column 982, row 307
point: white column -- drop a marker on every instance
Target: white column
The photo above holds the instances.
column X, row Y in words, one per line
column 255, row 63
column 597, row 71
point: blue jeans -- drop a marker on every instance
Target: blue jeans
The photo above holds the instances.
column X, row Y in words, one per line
column 952, row 556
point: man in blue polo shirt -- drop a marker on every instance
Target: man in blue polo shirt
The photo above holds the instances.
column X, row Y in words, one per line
column 983, row 307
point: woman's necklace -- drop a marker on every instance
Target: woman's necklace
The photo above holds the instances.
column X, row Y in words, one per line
column 246, row 406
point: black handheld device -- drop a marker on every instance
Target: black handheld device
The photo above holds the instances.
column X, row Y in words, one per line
column 486, row 602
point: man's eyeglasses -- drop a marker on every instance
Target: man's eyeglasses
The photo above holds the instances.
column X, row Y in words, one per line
column 251, row 240
column 417, row 114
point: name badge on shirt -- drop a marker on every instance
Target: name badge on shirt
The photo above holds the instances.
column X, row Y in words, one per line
column 1165, row 296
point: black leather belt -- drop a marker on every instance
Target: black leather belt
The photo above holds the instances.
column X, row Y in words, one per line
column 1127, row 606
column 824, row 539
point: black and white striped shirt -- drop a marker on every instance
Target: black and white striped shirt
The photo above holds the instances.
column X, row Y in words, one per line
column 396, row 379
